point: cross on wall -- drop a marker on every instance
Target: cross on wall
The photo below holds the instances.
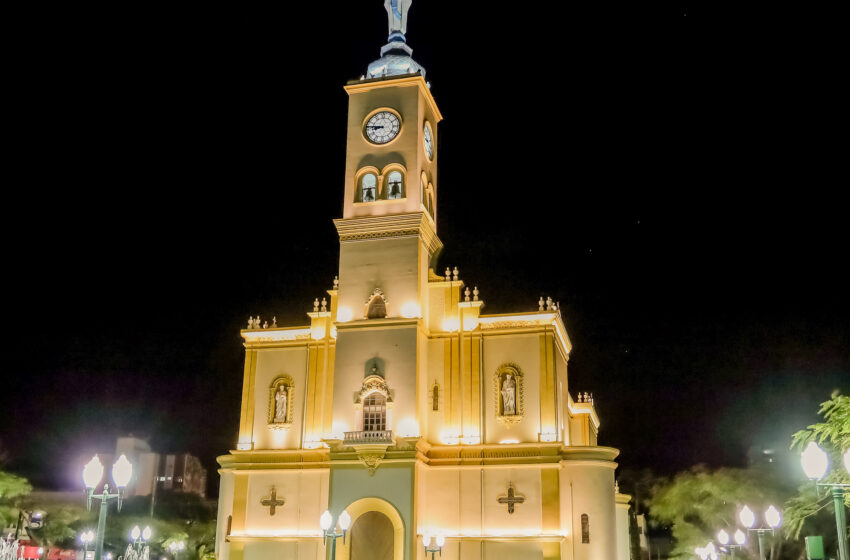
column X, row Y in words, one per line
column 511, row 498
column 272, row 502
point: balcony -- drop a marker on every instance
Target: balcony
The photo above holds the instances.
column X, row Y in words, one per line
column 363, row 437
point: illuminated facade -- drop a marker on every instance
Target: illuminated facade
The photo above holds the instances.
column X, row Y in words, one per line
column 399, row 401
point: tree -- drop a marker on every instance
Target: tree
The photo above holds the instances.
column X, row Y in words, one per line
column 810, row 510
column 699, row 502
column 12, row 489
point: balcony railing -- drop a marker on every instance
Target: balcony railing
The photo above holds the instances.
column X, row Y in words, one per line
column 377, row 436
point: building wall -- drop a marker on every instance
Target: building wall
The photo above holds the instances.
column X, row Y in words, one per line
column 271, row 364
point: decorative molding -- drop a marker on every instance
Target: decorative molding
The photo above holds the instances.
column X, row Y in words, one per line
column 519, row 393
column 289, row 385
column 374, row 384
column 394, row 225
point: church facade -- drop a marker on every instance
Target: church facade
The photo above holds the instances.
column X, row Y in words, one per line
column 399, row 402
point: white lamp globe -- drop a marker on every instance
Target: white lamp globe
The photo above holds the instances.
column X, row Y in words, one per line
column 722, row 537
column 325, row 520
column 815, row 461
column 135, row 533
column 122, row 471
column 747, row 517
column 344, row 520
column 92, row 472
column 146, row 534
column 740, row 537
column 773, row 517
column 847, row 460
column 441, row 540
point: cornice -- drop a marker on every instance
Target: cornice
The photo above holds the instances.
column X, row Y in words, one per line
column 393, row 225
column 409, row 81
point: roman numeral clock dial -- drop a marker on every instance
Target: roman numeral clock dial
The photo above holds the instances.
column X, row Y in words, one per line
column 382, row 127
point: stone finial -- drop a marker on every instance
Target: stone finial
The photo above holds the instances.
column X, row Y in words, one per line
column 324, row 305
column 579, row 397
column 448, row 273
column 250, row 321
column 336, row 282
column 540, row 304
column 265, row 324
column 316, row 305
column 475, row 293
column 466, row 294
column 455, row 274
column 274, row 322
column 586, row 396
column 616, row 487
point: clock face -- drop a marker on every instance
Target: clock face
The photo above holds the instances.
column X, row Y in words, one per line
column 429, row 142
column 382, row 127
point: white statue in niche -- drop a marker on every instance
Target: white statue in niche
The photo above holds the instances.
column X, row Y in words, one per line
column 508, row 396
column 280, row 404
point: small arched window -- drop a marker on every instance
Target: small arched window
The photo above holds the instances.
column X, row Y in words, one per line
column 435, row 396
column 585, row 528
column 395, row 185
column 375, row 413
column 368, row 187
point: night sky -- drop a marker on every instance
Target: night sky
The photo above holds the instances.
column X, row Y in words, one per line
column 672, row 180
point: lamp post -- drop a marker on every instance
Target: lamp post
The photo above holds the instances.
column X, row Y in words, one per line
column 122, row 471
column 748, row 519
column 432, row 546
column 740, row 539
column 326, row 522
column 815, row 463
column 86, row 537
column 175, row 547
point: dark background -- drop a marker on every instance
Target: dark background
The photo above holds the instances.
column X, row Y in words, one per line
column 670, row 174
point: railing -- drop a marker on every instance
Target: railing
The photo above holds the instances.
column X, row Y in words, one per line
column 377, row 436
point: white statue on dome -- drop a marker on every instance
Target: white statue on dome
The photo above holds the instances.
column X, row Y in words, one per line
column 280, row 404
column 397, row 11
column 508, row 396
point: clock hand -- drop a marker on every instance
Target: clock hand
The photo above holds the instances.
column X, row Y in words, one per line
column 374, row 126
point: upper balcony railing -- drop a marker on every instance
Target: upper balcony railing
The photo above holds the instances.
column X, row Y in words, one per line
column 377, row 436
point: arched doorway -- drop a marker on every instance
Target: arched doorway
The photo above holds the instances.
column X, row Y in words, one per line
column 372, row 537
column 376, row 513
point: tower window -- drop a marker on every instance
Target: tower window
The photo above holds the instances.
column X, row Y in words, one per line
column 395, row 185
column 435, row 397
column 368, row 187
column 585, row 528
column 375, row 413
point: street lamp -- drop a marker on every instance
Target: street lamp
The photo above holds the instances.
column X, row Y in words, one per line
column 815, row 463
column 739, row 538
column 326, row 522
column 138, row 548
column 748, row 519
column 122, row 471
column 432, row 546
column 175, row 547
column 86, row 537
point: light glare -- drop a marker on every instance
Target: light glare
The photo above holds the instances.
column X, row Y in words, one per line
column 92, row 472
column 344, row 520
column 325, row 520
column 747, row 517
column 740, row 537
column 815, row 461
column 122, row 471
column 723, row 537
column 773, row 517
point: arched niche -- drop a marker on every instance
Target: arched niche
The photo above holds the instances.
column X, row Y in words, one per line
column 509, row 392
column 365, row 505
column 376, row 305
column 281, row 402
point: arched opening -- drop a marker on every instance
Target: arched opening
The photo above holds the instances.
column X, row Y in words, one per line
column 375, row 413
column 372, row 537
column 395, row 185
column 364, row 506
column 585, row 528
column 368, row 187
